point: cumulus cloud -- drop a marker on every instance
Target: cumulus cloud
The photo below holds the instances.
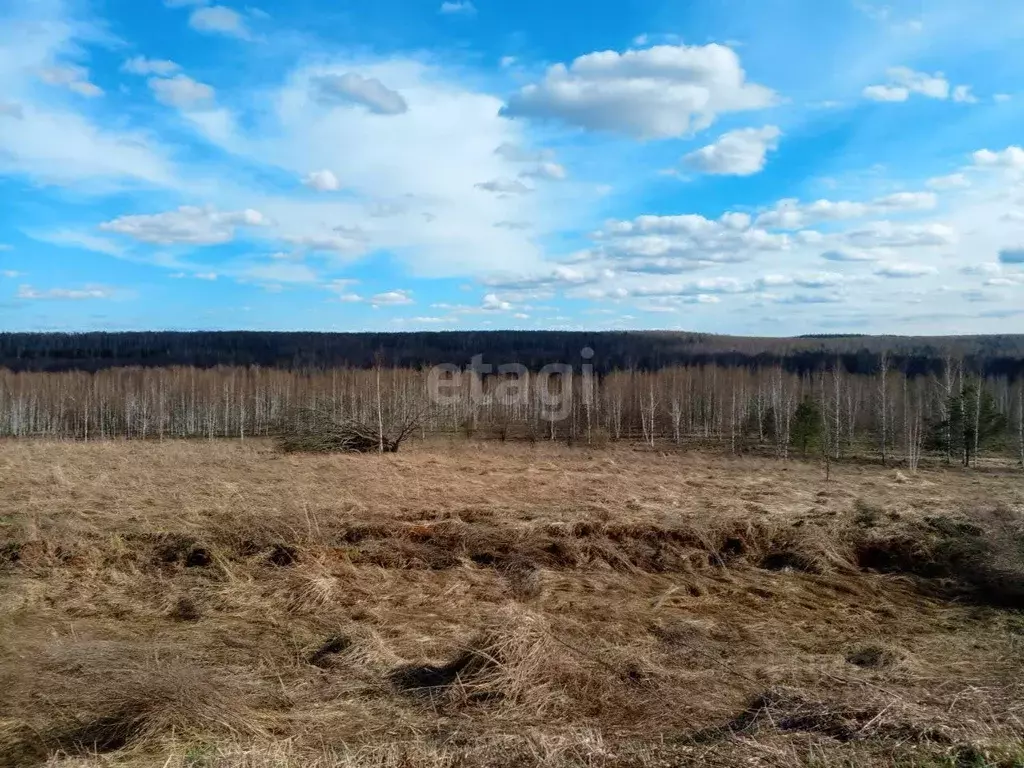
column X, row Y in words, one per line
column 905, row 270
column 219, row 20
column 850, row 255
column 351, row 88
column 322, row 181
column 948, row 182
column 181, row 91
column 492, row 303
column 885, row 234
column 561, row 276
column 187, row 225
column 907, row 201
column 886, row 93
column 1011, row 158
column 790, row 213
column 391, row 298
column 140, row 65
column 73, row 78
column 463, row 7
column 654, row 93
column 673, row 244
column 736, row 153
column 904, row 81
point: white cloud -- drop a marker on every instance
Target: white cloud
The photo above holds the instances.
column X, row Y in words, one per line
column 351, row 88
column 140, row 65
column 791, row 214
column 515, row 153
column 322, row 181
column 962, row 93
column 904, row 81
column 885, row 234
column 1002, row 98
column 186, row 225
column 951, row 181
column 69, row 238
column 655, row 93
column 73, row 78
column 279, row 272
column 463, row 7
column 181, row 91
column 492, row 303
column 48, row 140
column 330, row 243
column 907, row 201
column 886, row 93
column 391, row 298
column 850, row 255
column 674, row 244
column 985, row 268
column 507, row 61
column 220, row 20
column 736, row 153
column 1010, row 158
column 67, row 294
column 905, row 270
column 933, row 86
column 545, row 171
column 409, row 179
column 504, row 186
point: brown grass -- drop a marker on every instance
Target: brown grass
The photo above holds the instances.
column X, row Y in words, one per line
column 221, row 604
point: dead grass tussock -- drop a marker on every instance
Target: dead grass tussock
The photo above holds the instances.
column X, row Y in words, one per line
column 221, row 604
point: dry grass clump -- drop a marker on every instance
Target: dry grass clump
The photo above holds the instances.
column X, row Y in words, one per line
column 224, row 604
column 101, row 697
column 981, row 560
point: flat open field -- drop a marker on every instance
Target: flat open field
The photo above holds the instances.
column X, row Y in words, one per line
column 219, row 604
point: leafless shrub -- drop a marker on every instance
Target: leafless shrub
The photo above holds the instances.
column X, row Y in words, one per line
column 308, row 430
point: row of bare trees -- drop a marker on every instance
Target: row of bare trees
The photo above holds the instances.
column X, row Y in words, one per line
column 889, row 415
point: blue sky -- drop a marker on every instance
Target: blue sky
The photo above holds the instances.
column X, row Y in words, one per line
column 771, row 168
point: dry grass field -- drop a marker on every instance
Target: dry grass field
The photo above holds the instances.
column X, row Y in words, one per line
column 220, row 604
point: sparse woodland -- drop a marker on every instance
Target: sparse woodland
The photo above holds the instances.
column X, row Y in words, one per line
column 953, row 415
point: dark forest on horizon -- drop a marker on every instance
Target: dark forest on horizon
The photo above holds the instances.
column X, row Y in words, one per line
column 991, row 355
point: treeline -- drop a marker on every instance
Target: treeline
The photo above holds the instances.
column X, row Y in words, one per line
column 888, row 414
column 987, row 356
